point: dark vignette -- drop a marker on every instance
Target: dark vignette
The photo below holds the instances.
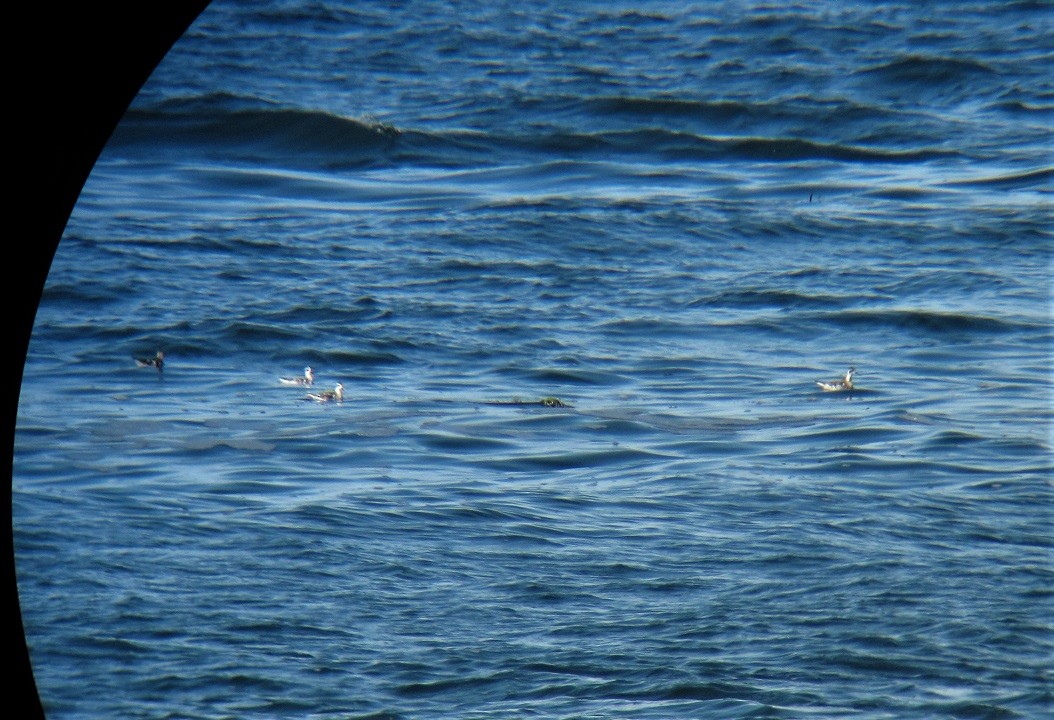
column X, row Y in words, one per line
column 75, row 70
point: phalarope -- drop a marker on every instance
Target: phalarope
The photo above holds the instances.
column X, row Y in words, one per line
column 158, row 361
column 336, row 393
column 845, row 383
column 307, row 381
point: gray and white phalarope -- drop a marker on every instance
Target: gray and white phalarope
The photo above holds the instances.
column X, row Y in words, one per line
column 336, row 393
column 845, row 383
column 307, row 381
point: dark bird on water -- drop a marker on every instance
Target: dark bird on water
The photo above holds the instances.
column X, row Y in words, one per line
column 158, row 361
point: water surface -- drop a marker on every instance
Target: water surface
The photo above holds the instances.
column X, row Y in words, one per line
column 674, row 218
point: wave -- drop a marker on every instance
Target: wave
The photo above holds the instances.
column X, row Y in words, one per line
column 319, row 139
column 805, row 322
column 576, row 377
column 675, row 145
column 927, row 70
column 760, row 298
column 725, row 110
column 459, row 443
column 1031, row 178
column 288, row 130
column 796, row 110
column 925, row 321
column 618, row 456
column 77, row 295
column 697, row 147
column 1020, row 107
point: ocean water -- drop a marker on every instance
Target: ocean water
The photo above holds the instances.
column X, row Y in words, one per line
column 674, row 218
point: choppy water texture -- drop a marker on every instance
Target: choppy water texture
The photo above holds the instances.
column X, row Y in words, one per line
column 674, row 218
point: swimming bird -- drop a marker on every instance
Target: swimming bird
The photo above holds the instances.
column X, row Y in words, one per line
column 336, row 393
column 158, row 361
column 845, row 383
column 306, row 381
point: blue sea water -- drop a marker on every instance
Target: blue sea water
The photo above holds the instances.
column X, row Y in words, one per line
column 675, row 218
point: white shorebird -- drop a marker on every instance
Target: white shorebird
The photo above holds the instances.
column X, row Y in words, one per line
column 336, row 393
column 845, row 383
column 158, row 361
column 307, row 381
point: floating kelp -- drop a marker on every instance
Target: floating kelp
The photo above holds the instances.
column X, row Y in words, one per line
column 544, row 402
